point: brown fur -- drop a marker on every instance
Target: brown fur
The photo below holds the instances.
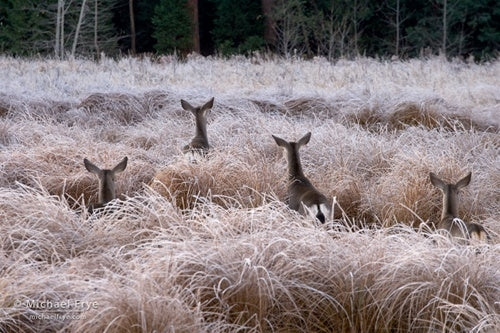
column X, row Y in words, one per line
column 106, row 178
column 199, row 143
column 449, row 215
column 300, row 191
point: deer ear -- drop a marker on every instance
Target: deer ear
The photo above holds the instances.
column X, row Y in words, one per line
column 91, row 167
column 464, row 181
column 208, row 105
column 304, row 140
column 186, row 106
column 280, row 142
column 121, row 166
column 436, row 181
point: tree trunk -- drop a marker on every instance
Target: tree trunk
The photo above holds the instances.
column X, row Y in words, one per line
column 355, row 23
column 78, row 26
column 193, row 5
column 133, row 50
column 96, row 45
column 57, row 51
column 443, row 45
column 61, row 44
column 267, row 10
column 397, row 27
column 331, row 35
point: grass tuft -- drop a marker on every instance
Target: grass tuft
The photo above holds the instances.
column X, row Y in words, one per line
column 211, row 246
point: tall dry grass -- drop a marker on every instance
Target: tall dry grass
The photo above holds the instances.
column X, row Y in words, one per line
column 210, row 246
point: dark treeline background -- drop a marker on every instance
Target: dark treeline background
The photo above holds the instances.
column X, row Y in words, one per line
column 329, row 28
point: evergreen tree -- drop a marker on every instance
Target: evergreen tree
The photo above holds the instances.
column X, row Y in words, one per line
column 478, row 28
column 331, row 28
column 472, row 27
column 173, row 27
column 145, row 28
column 238, row 26
column 29, row 27
column 25, row 27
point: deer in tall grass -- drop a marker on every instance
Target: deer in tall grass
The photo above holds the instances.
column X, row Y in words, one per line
column 302, row 195
column 449, row 215
column 106, row 179
column 199, row 144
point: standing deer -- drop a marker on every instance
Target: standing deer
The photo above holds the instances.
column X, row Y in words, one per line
column 302, row 195
column 199, row 144
column 106, row 181
column 449, row 216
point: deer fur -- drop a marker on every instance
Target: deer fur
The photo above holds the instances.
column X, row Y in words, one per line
column 199, row 144
column 302, row 195
column 449, row 215
column 106, row 177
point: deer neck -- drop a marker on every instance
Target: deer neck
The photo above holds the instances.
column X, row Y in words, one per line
column 106, row 188
column 450, row 203
column 294, row 166
column 201, row 129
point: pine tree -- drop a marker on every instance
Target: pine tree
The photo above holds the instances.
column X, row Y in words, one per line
column 238, row 26
column 29, row 27
column 173, row 27
column 24, row 27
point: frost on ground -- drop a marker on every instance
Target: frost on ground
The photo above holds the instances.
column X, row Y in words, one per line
column 210, row 246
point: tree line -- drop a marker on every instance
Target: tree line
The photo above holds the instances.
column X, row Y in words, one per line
column 329, row 28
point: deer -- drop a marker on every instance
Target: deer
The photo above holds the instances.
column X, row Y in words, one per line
column 302, row 195
column 449, row 215
column 199, row 144
column 106, row 179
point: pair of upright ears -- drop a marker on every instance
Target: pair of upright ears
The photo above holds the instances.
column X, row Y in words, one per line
column 200, row 109
column 439, row 183
column 302, row 141
column 91, row 167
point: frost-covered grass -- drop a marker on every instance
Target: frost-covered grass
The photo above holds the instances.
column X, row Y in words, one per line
column 210, row 246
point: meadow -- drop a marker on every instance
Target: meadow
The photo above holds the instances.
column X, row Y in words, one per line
column 211, row 246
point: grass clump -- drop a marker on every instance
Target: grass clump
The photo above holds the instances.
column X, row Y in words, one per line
column 211, row 246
